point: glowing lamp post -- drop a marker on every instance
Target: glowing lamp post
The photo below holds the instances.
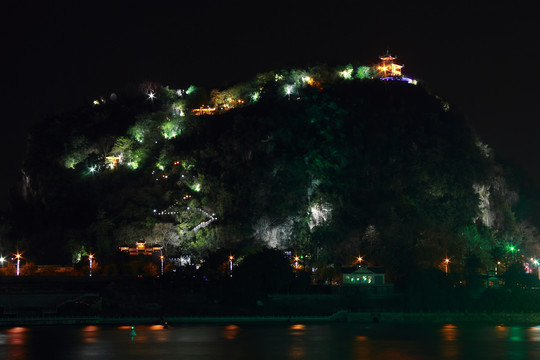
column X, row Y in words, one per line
column 230, row 265
column 90, row 259
column 446, row 262
column 513, row 250
column 359, row 261
column 161, row 258
column 536, row 262
column 2, row 259
column 18, row 257
column 296, row 259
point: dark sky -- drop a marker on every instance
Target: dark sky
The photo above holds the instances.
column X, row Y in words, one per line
column 479, row 56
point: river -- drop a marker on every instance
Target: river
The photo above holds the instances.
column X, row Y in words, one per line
column 272, row 341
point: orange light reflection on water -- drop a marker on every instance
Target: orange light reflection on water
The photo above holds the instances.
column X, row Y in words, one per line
column 501, row 332
column 89, row 333
column 363, row 348
column 534, row 333
column 298, row 327
column 17, row 330
column 91, row 328
column 297, row 352
column 449, row 332
column 449, row 347
column 17, row 338
column 297, row 349
column 230, row 331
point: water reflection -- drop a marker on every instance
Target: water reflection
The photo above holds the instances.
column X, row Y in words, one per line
column 534, row 333
column 449, row 332
column 516, row 347
column 402, row 351
column 273, row 341
column 17, row 340
column 501, row 332
column 17, row 335
column 363, row 347
column 516, row 333
column 297, row 329
column 230, row 332
column 297, row 349
column 90, row 333
column 296, row 352
column 449, row 347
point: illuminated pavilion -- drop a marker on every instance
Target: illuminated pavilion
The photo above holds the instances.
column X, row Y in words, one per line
column 390, row 71
column 387, row 67
column 141, row 248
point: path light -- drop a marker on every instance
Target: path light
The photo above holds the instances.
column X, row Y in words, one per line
column 446, row 262
column 230, row 264
column 513, row 250
column 90, row 259
column 18, row 257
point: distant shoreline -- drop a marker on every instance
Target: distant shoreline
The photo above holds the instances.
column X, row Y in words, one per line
column 339, row 317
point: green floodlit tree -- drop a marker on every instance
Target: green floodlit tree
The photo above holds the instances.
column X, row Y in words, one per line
column 364, row 72
column 76, row 152
column 347, row 72
column 121, row 146
column 141, row 129
column 172, row 127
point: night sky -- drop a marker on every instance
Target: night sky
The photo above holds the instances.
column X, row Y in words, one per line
column 482, row 57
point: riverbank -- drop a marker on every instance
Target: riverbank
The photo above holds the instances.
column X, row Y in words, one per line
column 339, row 317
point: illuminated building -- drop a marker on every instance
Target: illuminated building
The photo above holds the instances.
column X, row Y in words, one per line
column 362, row 276
column 368, row 280
column 387, row 70
column 141, row 248
column 113, row 161
column 204, row 111
column 387, row 66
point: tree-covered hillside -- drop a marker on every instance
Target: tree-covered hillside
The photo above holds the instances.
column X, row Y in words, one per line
column 327, row 163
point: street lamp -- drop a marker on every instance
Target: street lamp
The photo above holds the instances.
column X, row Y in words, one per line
column 513, row 249
column 161, row 258
column 2, row 259
column 536, row 263
column 18, row 257
column 230, row 265
column 359, row 258
column 446, row 262
column 90, row 259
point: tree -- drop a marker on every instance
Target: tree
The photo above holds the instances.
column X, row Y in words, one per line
column 166, row 235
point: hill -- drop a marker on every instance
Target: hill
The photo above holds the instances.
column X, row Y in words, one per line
column 330, row 163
